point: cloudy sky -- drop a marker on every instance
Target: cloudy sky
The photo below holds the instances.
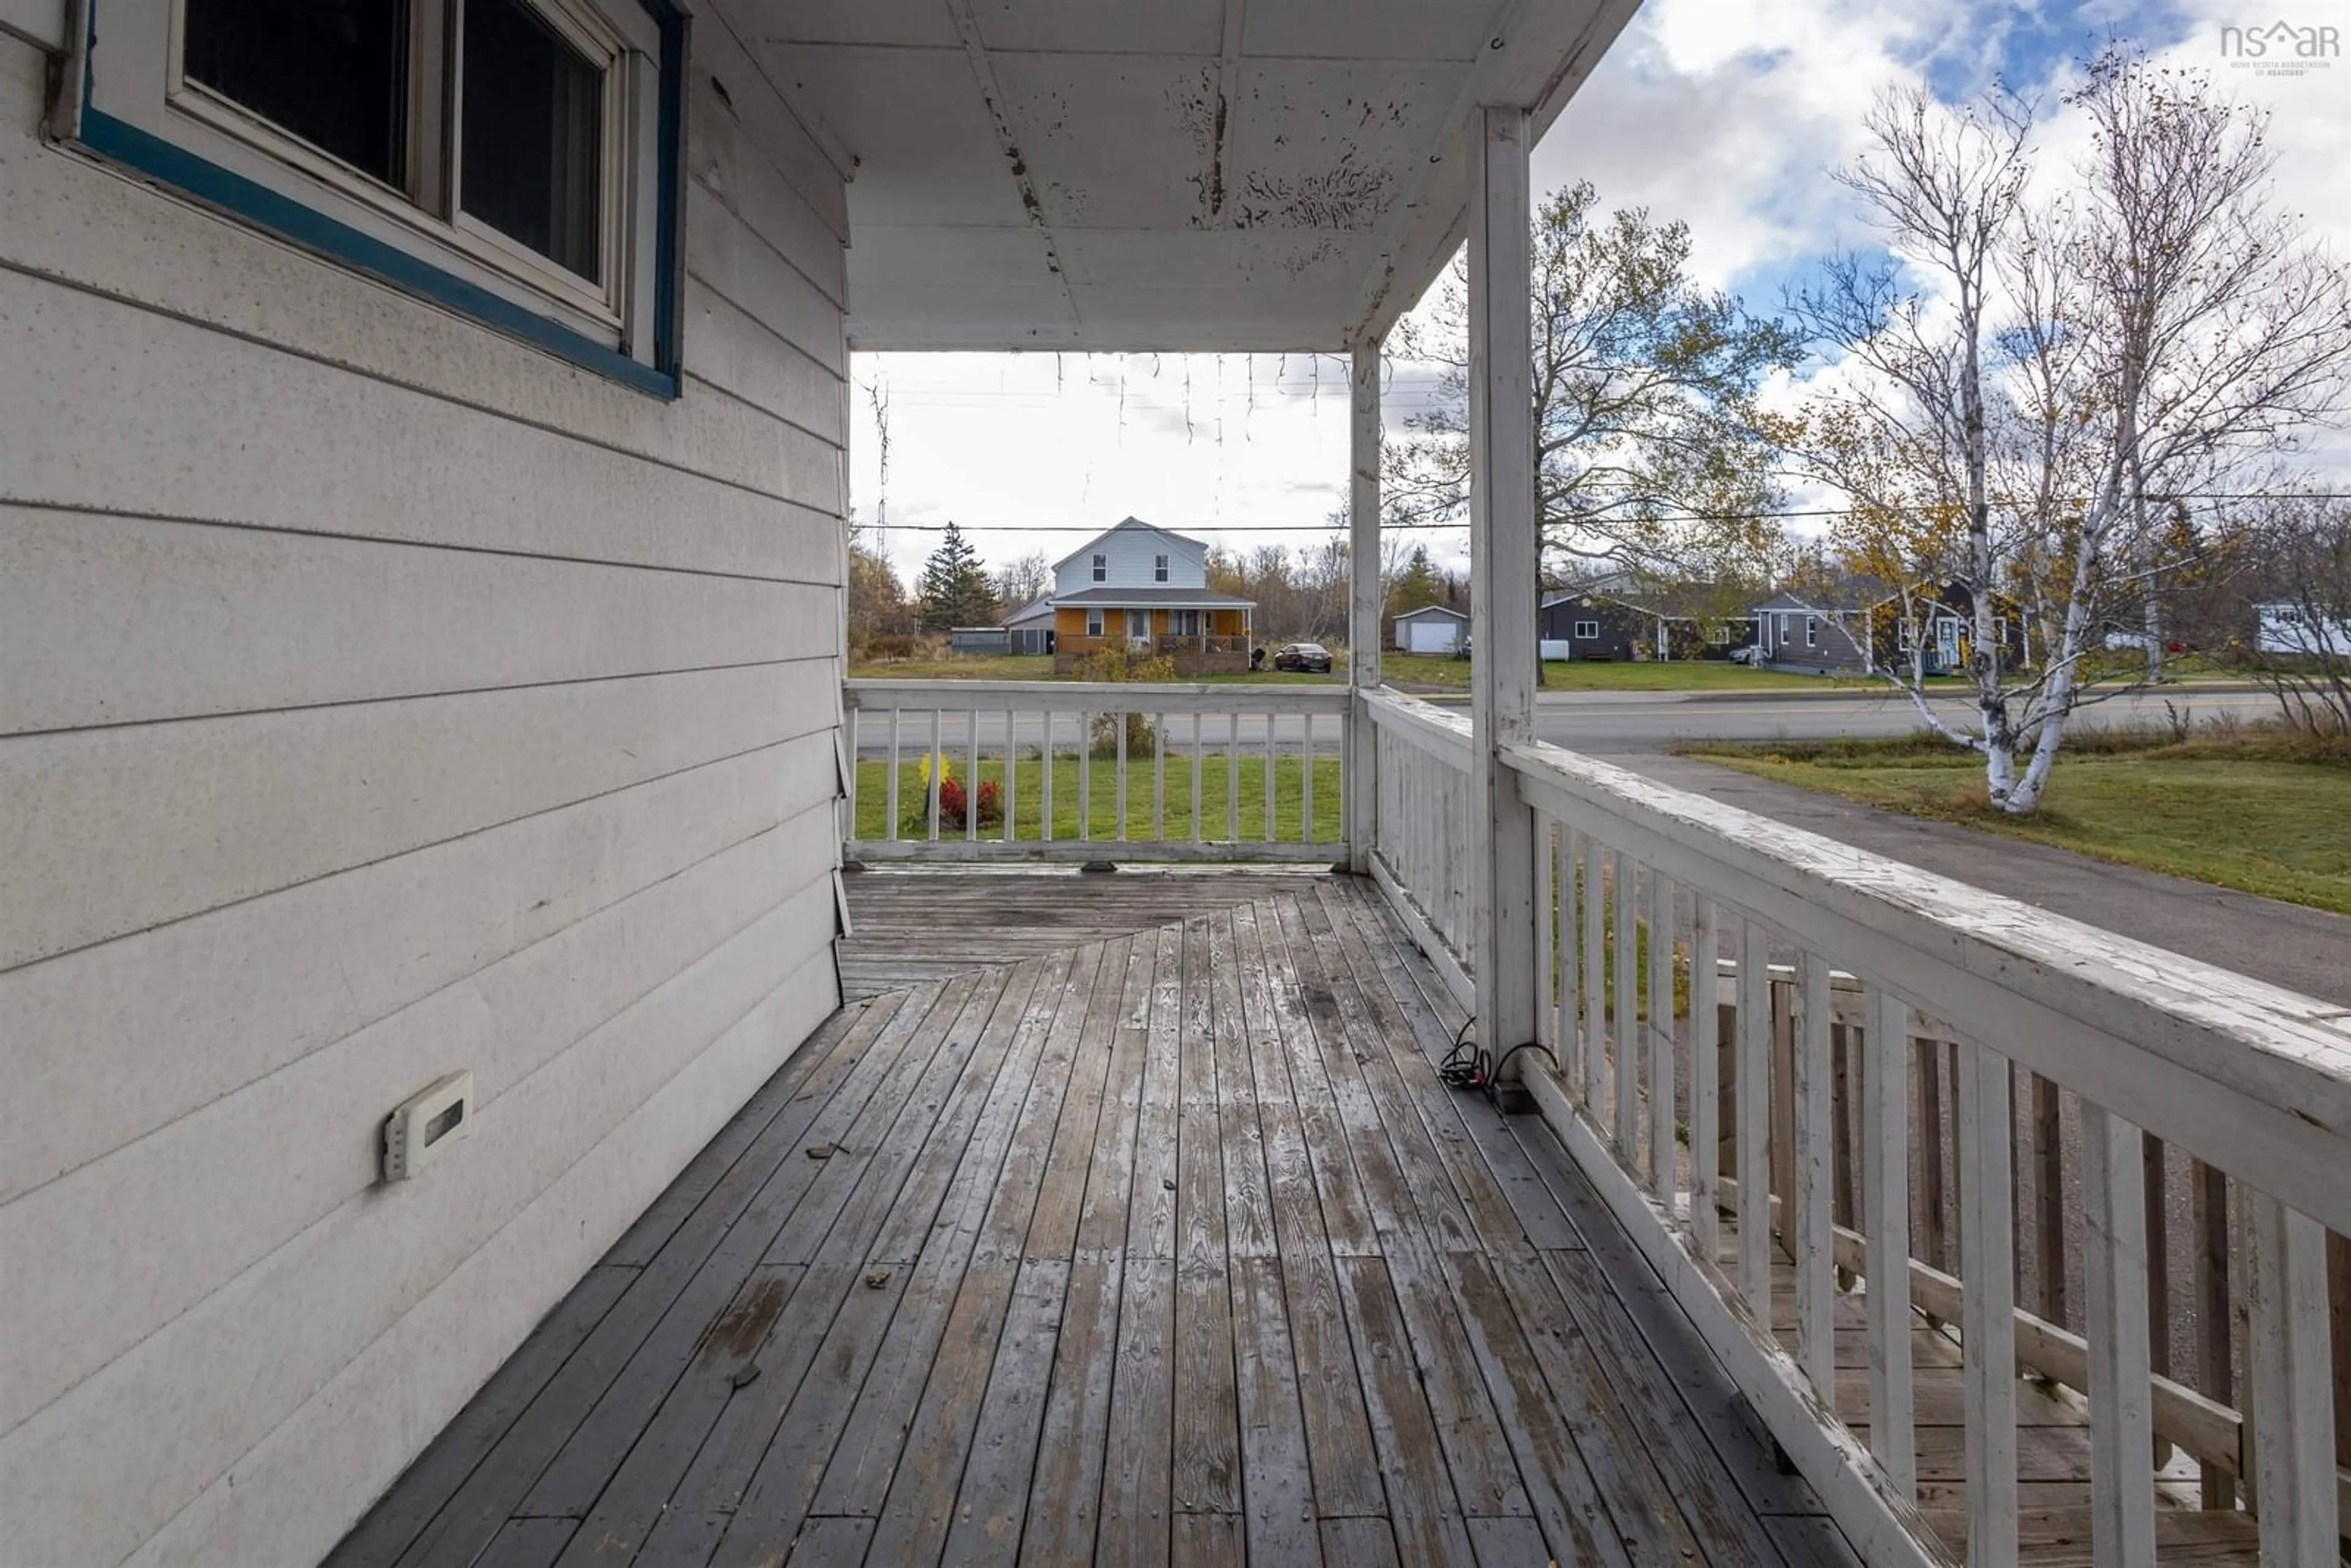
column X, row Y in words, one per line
column 1724, row 113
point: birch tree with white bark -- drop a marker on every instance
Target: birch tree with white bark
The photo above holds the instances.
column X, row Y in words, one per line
column 2050, row 369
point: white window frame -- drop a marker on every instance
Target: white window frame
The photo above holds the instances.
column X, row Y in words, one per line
column 1101, row 568
column 1586, row 630
column 1094, row 623
column 139, row 81
column 1812, row 632
column 1159, row 568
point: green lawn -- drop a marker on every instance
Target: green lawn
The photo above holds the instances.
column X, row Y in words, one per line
column 1029, row 785
column 2259, row 811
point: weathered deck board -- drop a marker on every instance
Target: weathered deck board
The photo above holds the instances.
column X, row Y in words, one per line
column 1163, row 1244
column 913, row 927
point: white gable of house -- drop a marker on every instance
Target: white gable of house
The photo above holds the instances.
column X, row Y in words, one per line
column 1130, row 555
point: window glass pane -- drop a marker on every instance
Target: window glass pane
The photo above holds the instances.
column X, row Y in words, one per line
column 333, row 72
column 533, row 132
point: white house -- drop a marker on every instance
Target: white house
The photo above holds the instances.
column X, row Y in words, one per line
column 1145, row 589
column 2294, row 629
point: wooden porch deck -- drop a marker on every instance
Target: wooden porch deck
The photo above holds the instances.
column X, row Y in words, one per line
column 1162, row 1245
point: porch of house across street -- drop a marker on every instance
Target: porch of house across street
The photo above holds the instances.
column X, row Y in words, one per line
column 425, row 712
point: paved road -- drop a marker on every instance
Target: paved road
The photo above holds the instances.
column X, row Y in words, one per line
column 1605, row 722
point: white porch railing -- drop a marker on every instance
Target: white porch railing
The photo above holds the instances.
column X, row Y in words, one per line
column 1868, row 1020
column 1090, row 771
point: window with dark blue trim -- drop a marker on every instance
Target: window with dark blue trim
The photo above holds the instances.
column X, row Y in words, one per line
column 514, row 159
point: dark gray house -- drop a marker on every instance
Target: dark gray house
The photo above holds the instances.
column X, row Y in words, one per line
column 1815, row 633
column 1675, row 624
column 1598, row 627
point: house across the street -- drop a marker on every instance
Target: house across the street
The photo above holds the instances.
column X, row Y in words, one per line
column 1592, row 625
column 1431, row 629
column 2293, row 629
column 1029, row 628
column 1863, row 628
column 1815, row 633
column 1145, row 588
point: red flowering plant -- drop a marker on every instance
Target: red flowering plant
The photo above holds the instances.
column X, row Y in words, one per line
column 956, row 800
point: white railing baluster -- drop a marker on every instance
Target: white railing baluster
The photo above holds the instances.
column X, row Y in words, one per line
column 892, row 824
column 1661, row 1036
column 1565, row 1048
column 1595, row 979
column 852, row 717
column 1987, row 1304
column 1012, row 773
column 934, row 770
column 1199, row 808
column 2294, row 1490
column 1268, row 777
column 1885, row 1220
column 1122, row 777
column 1085, row 777
column 1159, row 777
column 1546, row 940
column 1705, row 1078
column 1232, row 779
column 971, row 780
column 1626, row 1013
column 1306, row 821
column 1750, row 1100
column 2121, row 1416
column 1808, row 1227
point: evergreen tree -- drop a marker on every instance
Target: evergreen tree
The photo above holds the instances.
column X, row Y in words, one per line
column 1417, row 587
column 953, row 588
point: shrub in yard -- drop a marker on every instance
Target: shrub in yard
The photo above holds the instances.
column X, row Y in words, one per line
column 896, row 647
column 1115, row 664
column 955, row 801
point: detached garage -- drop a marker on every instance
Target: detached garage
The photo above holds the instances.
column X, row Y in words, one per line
column 1431, row 629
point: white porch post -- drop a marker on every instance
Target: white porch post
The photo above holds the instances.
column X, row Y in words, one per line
column 1360, row 790
column 1503, row 562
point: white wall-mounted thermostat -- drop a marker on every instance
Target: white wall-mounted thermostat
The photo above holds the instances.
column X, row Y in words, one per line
column 416, row 1134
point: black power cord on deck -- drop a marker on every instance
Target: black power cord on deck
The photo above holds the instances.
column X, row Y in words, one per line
column 1466, row 1064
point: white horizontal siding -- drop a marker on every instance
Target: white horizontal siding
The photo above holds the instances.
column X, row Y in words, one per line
column 244, row 990
column 113, row 831
column 259, row 619
column 283, row 1496
column 127, row 415
column 1131, row 563
column 94, row 1474
column 385, row 698
column 41, row 21
column 135, row 1238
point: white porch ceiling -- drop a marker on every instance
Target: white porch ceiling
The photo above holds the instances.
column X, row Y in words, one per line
column 1158, row 174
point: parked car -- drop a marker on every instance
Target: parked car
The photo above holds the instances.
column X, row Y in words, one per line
column 1307, row 656
column 1750, row 655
